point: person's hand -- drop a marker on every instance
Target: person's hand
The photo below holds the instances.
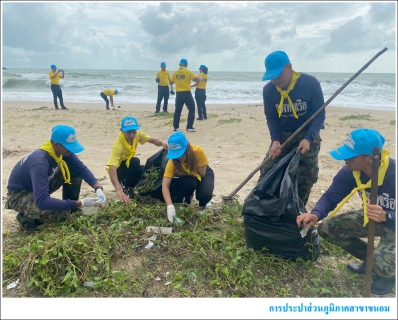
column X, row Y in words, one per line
column 157, row 80
column 376, row 213
column 122, row 196
column 165, row 145
column 171, row 212
column 274, row 151
column 306, row 220
column 304, row 146
column 90, row 202
column 101, row 195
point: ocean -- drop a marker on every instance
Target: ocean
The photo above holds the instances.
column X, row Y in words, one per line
column 367, row 91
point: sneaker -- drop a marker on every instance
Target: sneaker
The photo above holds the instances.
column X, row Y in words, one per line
column 191, row 129
column 175, row 129
column 200, row 119
column 56, row 108
column 382, row 286
column 64, row 108
column 27, row 223
column 209, row 204
column 205, row 118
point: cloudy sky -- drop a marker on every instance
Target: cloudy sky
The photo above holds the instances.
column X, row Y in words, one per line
column 231, row 36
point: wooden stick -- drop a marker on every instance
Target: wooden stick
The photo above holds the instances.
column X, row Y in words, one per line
column 305, row 124
column 371, row 223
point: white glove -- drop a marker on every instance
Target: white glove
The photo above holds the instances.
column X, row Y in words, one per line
column 90, row 202
column 101, row 195
column 171, row 212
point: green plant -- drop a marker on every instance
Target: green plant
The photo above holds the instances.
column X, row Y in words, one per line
column 392, row 122
column 357, row 117
column 230, row 120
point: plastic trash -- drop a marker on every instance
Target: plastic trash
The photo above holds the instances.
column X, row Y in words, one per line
column 88, row 284
column 90, row 210
column 161, row 230
column 149, row 245
column 13, row 284
column 178, row 221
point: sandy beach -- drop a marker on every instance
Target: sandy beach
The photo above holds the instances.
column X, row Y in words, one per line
column 235, row 139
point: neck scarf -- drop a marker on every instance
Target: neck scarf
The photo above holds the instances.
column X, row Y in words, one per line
column 131, row 149
column 48, row 147
column 384, row 163
column 285, row 94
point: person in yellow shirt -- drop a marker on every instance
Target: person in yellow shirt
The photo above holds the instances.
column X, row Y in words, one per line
column 182, row 78
column 109, row 92
column 123, row 168
column 55, row 87
column 163, row 80
column 186, row 171
column 200, row 92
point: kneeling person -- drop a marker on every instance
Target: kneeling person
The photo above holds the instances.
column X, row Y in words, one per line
column 124, row 169
column 44, row 171
column 186, row 171
column 346, row 229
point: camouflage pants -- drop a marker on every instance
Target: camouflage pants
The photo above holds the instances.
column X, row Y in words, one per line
column 345, row 229
column 307, row 172
column 24, row 202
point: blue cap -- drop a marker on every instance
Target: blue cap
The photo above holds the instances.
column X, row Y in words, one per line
column 202, row 66
column 184, row 62
column 53, row 66
column 116, row 92
column 177, row 145
column 163, row 64
column 274, row 64
column 129, row 123
column 66, row 136
column 360, row 141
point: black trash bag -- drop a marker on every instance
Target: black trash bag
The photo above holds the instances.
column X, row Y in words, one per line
column 270, row 212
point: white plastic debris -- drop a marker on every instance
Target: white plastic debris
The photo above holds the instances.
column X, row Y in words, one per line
column 157, row 279
column 149, row 245
column 88, row 283
column 304, row 232
column 167, row 283
column 161, row 230
column 13, row 284
column 322, row 191
column 153, row 238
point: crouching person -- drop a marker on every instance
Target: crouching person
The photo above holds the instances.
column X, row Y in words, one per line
column 186, row 171
column 44, row 171
column 346, row 229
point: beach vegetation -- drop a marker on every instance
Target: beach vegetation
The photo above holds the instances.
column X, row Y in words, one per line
column 392, row 122
column 357, row 117
column 40, row 108
column 162, row 115
column 230, row 120
column 212, row 116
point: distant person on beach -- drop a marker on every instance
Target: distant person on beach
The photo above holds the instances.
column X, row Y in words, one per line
column 109, row 92
column 123, row 168
column 182, row 78
column 290, row 98
column 55, row 87
column 163, row 80
column 43, row 171
column 200, row 92
column 346, row 229
column 186, row 171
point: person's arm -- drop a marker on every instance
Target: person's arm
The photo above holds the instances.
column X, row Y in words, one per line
column 171, row 82
column 55, row 74
column 111, row 100
column 317, row 101
column 271, row 113
column 76, row 164
column 63, row 74
column 166, row 190
column 159, row 143
column 197, row 80
column 202, row 170
column 115, row 182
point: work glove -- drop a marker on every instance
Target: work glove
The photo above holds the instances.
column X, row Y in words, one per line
column 90, row 202
column 172, row 91
column 101, row 195
column 171, row 212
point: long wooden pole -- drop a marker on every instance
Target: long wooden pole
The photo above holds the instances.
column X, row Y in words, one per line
column 229, row 197
column 371, row 223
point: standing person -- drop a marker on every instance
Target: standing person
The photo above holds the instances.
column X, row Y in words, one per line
column 186, row 171
column 163, row 80
column 182, row 78
column 43, row 171
column 290, row 98
column 108, row 92
column 55, row 87
column 123, row 168
column 200, row 92
column 346, row 229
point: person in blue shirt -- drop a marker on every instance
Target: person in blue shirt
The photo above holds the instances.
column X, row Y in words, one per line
column 290, row 99
column 45, row 170
column 346, row 229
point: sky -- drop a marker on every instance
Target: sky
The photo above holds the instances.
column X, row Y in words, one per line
column 225, row 36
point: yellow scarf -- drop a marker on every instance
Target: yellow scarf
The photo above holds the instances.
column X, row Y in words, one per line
column 48, row 147
column 384, row 163
column 189, row 172
column 131, row 149
column 285, row 94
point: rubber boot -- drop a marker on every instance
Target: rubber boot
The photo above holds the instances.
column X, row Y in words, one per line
column 358, row 250
column 381, row 286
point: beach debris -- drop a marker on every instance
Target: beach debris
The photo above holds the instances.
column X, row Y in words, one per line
column 88, row 283
column 178, row 221
column 322, row 191
column 161, row 230
column 167, row 283
column 157, row 279
column 149, row 245
column 13, row 284
column 153, row 238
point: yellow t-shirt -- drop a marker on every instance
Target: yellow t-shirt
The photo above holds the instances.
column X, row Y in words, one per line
column 109, row 92
column 200, row 155
column 182, row 78
column 164, row 77
column 56, row 79
column 120, row 152
column 203, row 82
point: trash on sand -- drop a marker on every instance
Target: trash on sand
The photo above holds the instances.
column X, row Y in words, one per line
column 88, row 283
column 178, row 221
column 167, row 283
column 153, row 238
column 149, row 245
column 304, row 231
column 161, row 230
column 157, row 279
column 13, row 284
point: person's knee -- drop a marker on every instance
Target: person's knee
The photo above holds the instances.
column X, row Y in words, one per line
column 323, row 230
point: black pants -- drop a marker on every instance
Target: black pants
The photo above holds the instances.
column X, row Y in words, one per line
column 184, row 187
column 130, row 176
column 163, row 92
column 57, row 93
column 104, row 96
column 184, row 97
column 200, row 97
